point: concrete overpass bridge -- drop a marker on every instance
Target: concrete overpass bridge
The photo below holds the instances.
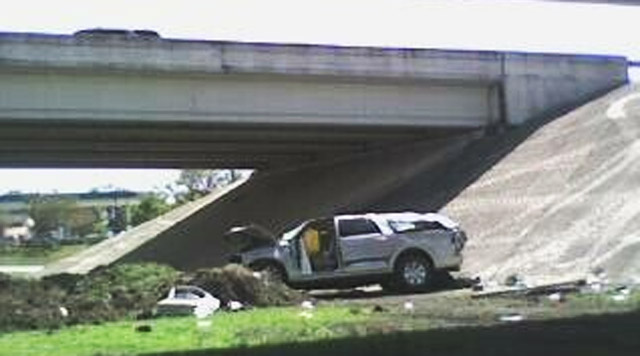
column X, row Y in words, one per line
column 134, row 99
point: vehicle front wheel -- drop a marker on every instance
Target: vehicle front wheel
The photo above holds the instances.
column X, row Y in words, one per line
column 413, row 272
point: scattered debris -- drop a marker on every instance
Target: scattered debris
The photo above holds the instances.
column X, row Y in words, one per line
column 512, row 317
column 307, row 304
column 203, row 324
column 558, row 297
column 476, row 284
column 619, row 297
column 622, row 294
column 624, row 290
column 597, row 280
column 64, row 312
column 547, row 289
column 306, row 314
column 235, row 305
column 515, row 281
column 408, row 306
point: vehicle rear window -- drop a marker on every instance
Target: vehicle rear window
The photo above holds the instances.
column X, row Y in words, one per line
column 419, row 225
column 360, row 226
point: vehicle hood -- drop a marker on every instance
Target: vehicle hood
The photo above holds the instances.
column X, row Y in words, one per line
column 251, row 236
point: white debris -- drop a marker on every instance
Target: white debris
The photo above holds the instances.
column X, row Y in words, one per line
column 307, row 304
column 64, row 312
column 203, row 324
column 624, row 290
column 511, row 317
column 596, row 287
column 408, row 306
column 556, row 297
column 306, row 314
column 619, row 297
column 257, row 275
column 235, row 305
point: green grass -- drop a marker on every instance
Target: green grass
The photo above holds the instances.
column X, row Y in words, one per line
column 438, row 322
column 20, row 256
column 256, row 327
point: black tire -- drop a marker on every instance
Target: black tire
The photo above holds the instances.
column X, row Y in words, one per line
column 273, row 271
column 413, row 272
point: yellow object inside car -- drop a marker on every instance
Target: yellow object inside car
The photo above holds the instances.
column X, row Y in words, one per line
column 311, row 239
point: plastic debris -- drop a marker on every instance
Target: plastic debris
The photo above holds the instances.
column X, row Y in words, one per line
column 619, row 297
column 235, row 305
column 203, row 324
column 408, row 306
column 514, row 317
column 597, row 280
column 64, row 312
column 307, row 304
column 257, row 275
column 624, row 290
column 556, row 297
column 306, row 314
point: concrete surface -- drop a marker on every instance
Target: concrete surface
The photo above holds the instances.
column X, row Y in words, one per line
column 142, row 101
column 562, row 202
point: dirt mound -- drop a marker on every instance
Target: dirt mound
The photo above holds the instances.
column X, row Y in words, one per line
column 234, row 282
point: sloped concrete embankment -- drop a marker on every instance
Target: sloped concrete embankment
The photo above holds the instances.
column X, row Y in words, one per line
column 276, row 200
column 564, row 201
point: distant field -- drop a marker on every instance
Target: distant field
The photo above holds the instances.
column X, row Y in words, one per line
column 20, row 256
column 442, row 325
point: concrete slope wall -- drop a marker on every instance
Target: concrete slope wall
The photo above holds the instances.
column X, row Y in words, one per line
column 562, row 202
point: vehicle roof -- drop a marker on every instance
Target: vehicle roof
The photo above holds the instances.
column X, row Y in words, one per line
column 406, row 216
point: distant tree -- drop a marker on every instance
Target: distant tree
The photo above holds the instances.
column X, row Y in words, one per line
column 199, row 182
column 50, row 212
column 85, row 221
column 150, row 207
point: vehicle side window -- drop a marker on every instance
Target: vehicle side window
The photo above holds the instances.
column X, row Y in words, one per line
column 420, row 225
column 360, row 226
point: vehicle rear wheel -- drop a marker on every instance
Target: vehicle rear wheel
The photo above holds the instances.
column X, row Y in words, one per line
column 413, row 272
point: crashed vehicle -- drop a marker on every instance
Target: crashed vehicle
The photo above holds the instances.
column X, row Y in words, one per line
column 188, row 300
column 401, row 251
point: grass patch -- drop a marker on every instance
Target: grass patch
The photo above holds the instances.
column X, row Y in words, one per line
column 227, row 330
column 437, row 323
column 21, row 256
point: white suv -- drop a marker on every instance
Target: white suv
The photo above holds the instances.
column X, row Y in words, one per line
column 399, row 250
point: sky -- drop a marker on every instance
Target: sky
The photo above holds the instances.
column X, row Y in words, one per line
column 521, row 25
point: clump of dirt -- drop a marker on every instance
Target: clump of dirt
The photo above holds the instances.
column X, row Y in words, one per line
column 234, row 282
column 124, row 291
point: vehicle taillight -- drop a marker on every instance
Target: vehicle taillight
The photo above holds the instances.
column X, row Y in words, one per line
column 459, row 240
